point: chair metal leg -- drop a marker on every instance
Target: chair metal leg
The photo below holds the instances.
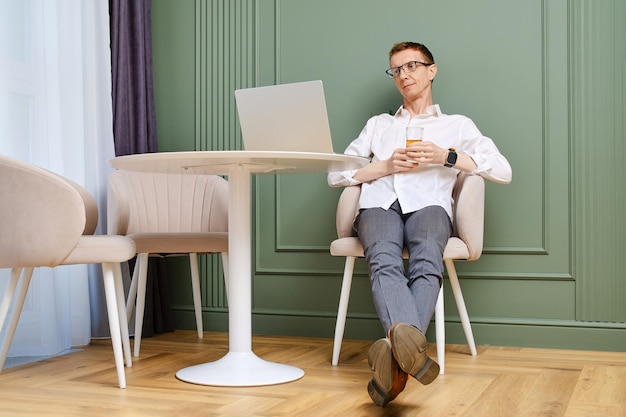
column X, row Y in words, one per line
column 460, row 305
column 226, row 275
column 10, row 292
column 195, row 286
column 121, row 313
column 7, row 296
column 440, row 332
column 114, row 321
column 132, row 291
column 342, row 311
column 142, row 277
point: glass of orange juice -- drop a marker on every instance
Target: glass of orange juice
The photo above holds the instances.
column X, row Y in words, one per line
column 414, row 134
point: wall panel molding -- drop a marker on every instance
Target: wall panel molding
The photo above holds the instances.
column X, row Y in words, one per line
column 225, row 60
column 226, row 50
column 598, row 90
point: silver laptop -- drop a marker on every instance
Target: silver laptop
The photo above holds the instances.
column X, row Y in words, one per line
column 284, row 117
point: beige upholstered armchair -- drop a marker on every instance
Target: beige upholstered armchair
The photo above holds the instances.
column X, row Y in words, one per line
column 465, row 244
column 47, row 220
column 168, row 214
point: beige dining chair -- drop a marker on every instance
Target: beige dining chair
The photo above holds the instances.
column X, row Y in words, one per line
column 466, row 244
column 46, row 221
column 168, row 215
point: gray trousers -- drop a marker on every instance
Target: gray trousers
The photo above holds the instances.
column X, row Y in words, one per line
column 398, row 296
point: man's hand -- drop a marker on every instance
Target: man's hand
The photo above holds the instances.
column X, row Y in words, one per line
column 427, row 153
column 400, row 161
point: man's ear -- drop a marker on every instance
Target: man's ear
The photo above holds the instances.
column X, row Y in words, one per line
column 432, row 71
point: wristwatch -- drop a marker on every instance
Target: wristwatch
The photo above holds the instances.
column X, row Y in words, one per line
column 451, row 159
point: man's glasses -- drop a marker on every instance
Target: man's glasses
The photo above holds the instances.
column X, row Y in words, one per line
column 410, row 66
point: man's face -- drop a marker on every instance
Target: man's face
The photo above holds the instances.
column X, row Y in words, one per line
column 416, row 84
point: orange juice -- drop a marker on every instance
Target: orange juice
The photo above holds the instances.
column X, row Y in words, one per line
column 413, row 134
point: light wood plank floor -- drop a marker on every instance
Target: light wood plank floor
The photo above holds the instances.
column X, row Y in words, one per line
column 499, row 382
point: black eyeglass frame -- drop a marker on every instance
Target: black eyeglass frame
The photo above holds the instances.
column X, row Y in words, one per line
column 390, row 71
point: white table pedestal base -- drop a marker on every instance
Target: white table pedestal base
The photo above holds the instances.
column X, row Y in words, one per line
column 239, row 370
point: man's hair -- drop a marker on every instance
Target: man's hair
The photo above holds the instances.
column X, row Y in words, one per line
column 401, row 46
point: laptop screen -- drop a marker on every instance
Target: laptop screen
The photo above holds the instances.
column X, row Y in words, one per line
column 284, row 117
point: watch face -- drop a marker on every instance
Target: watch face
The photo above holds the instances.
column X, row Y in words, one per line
column 451, row 158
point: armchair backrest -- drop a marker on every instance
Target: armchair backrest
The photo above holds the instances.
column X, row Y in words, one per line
column 42, row 216
column 347, row 209
column 468, row 212
column 91, row 207
column 142, row 202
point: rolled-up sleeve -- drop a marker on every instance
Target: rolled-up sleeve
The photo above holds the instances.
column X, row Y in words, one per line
column 490, row 163
column 342, row 178
column 361, row 146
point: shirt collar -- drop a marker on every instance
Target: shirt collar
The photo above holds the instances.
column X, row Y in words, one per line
column 431, row 111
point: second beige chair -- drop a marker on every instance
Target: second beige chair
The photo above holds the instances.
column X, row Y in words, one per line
column 465, row 244
column 47, row 221
column 168, row 214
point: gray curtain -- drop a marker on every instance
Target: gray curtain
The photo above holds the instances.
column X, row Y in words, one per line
column 134, row 115
column 134, row 130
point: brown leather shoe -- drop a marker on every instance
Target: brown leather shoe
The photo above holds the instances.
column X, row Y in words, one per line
column 389, row 380
column 408, row 345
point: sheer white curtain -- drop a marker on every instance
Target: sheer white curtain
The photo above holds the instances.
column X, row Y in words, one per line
column 55, row 112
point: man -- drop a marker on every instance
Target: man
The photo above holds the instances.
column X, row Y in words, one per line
column 406, row 200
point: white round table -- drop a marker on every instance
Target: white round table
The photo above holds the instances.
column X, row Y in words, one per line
column 240, row 366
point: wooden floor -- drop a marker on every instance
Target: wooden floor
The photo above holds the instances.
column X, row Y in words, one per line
column 499, row 382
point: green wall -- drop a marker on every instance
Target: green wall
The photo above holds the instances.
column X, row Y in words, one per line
column 544, row 79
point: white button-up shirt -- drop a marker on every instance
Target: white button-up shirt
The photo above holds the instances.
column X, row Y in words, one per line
column 429, row 184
